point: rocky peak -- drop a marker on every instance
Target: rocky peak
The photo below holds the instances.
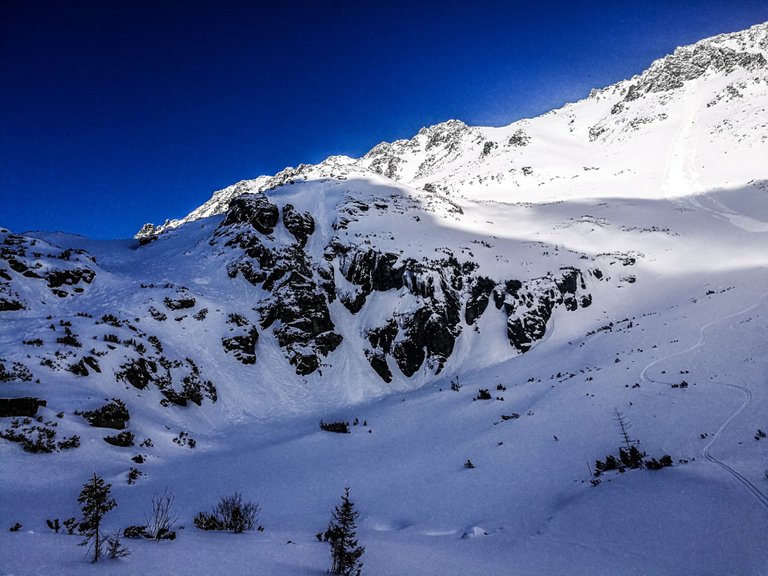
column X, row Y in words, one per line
column 689, row 63
column 721, row 54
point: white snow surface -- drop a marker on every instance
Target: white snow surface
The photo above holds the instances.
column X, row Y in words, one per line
column 665, row 193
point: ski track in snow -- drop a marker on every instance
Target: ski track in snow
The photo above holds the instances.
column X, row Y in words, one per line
column 680, row 176
column 707, row 451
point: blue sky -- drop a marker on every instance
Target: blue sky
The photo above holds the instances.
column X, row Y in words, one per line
column 113, row 114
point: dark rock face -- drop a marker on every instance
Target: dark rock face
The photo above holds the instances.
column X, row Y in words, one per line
column 300, row 225
column 381, row 340
column 298, row 290
column 370, row 270
column 147, row 231
column 20, row 406
column 159, row 372
column 305, row 328
column 529, row 305
column 479, row 294
column 243, row 347
column 378, row 362
column 429, row 332
column 254, row 210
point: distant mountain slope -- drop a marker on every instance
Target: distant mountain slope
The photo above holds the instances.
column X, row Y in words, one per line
column 622, row 140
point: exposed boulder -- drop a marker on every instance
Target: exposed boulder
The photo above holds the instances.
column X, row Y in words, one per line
column 26, row 406
column 10, row 304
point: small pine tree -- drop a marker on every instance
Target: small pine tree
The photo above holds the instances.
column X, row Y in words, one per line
column 624, row 427
column 341, row 534
column 115, row 548
column 95, row 501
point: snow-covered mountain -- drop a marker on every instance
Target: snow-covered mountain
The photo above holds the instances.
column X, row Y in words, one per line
column 478, row 294
column 707, row 99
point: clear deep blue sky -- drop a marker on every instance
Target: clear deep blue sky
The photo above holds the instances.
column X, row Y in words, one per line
column 115, row 113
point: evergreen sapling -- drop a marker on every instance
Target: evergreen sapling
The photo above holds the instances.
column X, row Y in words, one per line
column 341, row 534
column 95, row 501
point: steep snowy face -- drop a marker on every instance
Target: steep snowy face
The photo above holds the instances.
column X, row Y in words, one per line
column 332, row 283
column 693, row 111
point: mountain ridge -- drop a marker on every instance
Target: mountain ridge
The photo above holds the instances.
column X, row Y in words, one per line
column 723, row 54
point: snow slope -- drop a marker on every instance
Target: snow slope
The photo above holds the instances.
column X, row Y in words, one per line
column 586, row 261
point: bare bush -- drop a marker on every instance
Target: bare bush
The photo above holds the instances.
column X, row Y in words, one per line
column 161, row 519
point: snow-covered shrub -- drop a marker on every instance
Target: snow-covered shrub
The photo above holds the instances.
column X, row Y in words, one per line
column 33, row 438
column 135, row 531
column 133, row 475
column 70, row 442
column 18, row 371
column 112, row 415
column 110, row 319
column 632, row 458
column 184, row 439
column 69, row 339
column 338, row 427
column 70, row 524
column 231, row 513
column 662, row 462
column 123, row 439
